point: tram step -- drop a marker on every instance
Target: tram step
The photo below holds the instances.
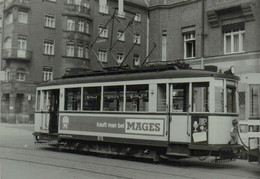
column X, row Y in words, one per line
column 177, row 154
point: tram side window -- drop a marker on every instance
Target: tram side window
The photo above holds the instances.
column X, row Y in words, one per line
column 73, row 99
column 91, row 98
column 231, row 99
column 180, row 97
column 161, row 97
column 200, row 99
column 113, row 98
column 137, row 97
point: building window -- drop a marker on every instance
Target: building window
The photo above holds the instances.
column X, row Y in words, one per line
column 48, row 47
column 137, row 38
column 189, row 45
column 22, row 41
column 20, row 74
column 47, row 73
column 136, row 60
column 121, row 35
column 87, row 28
column 8, row 46
column 9, row 18
column 49, row 20
column 103, row 6
column 22, row 16
column 80, row 51
column 121, row 12
column 22, row 46
column 81, row 25
column 102, row 55
column 71, row 24
column 137, row 17
column 70, row 49
column 87, row 52
column 234, row 41
column 7, row 74
column 120, row 57
column 164, row 45
column 70, row 2
column 8, row 43
column 103, row 32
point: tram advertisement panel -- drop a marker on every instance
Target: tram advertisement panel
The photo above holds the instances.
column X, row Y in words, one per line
column 199, row 128
column 118, row 125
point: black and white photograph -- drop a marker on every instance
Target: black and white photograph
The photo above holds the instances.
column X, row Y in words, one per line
column 129, row 89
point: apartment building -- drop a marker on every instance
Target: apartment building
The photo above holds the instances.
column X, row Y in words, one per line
column 220, row 33
column 43, row 39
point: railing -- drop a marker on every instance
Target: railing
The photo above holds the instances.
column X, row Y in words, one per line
column 78, row 8
column 12, row 2
column 14, row 53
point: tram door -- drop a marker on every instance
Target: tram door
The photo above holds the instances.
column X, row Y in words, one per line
column 53, row 110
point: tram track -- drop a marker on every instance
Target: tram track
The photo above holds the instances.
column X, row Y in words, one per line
column 175, row 163
column 83, row 170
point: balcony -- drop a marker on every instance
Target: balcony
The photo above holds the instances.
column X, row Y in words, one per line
column 15, row 53
column 73, row 9
column 20, row 3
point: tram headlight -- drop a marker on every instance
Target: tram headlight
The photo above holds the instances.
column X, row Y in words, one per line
column 230, row 71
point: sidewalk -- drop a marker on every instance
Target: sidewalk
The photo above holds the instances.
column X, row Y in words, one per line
column 27, row 127
column 16, row 135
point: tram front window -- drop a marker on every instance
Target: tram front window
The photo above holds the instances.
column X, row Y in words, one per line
column 137, row 97
column 38, row 100
column 231, row 99
column 200, row 98
column 113, row 98
column 219, row 96
column 180, row 97
column 254, row 91
column 46, row 100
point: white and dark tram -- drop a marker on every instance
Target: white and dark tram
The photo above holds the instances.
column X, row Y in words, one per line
column 151, row 112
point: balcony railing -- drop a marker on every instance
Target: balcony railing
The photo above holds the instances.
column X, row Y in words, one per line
column 14, row 53
column 10, row 3
column 77, row 8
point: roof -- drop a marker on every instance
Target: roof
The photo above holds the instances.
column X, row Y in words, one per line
column 137, row 75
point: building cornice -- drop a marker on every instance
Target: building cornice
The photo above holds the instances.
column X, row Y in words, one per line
column 171, row 5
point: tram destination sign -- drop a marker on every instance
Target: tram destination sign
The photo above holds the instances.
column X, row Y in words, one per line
column 118, row 125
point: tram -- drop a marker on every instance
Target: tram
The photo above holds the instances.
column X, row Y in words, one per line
column 169, row 111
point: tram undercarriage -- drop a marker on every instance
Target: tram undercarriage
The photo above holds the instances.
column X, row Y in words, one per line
column 222, row 153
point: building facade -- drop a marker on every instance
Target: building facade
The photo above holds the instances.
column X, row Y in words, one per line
column 44, row 39
column 220, row 33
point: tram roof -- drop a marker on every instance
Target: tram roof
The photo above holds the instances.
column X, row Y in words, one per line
column 130, row 75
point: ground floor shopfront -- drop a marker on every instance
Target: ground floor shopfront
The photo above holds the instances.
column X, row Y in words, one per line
column 17, row 102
